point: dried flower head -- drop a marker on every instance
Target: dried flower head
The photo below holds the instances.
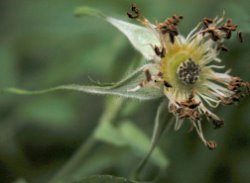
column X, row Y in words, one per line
column 187, row 70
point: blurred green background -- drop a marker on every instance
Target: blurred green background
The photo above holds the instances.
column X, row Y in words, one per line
column 42, row 44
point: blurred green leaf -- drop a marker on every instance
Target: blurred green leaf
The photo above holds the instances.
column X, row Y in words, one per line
column 49, row 111
column 108, row 133
column 127, row 134
column 101, row 159
column 105, row 179
column 119, row 89
column 130, row 108
column 140, row 143
column 20, row 181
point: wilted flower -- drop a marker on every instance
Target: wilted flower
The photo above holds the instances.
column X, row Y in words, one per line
column 186, row 68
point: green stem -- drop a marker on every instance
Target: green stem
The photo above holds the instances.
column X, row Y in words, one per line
column 144, row 161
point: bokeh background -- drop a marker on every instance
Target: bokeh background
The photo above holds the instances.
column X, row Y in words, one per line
column 42, row 44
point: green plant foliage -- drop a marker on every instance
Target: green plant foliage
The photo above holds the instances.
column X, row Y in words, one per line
column 119, row 89
column 127, row 134
column 67, row 135
column 105, row 179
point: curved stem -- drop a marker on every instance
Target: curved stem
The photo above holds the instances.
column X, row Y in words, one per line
column 161, row 125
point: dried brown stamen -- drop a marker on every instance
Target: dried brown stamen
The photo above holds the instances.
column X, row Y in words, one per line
column 217, row 122
column 161, row 52
column 222, row 48
column 167, row 85
column 135, row 12
column 219, row 32
column 236, row 84
column 160, row 74
column 229, row 25
column 213, row 33
column 207, row 21
column 239, row 88
column 170, row 26
column 192, row 104
column 248, row 88
column 148, row 75
column 211, row 144
column 240, row 36
column 185, row 112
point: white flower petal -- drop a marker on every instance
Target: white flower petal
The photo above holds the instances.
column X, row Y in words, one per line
column 141, row 38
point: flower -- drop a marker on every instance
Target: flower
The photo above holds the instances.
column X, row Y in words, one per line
column 186, row 69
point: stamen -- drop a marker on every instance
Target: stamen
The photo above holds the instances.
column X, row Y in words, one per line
column 161, row 52
column 170, row 26
column 240, row 36
column 188, row 72
column 167, row 85
column 207, row 21
column 135, row 12
column 222, row 48
column 211, row 144
column 148, row 75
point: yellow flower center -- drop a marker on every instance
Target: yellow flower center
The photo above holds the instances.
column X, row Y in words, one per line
column 187, row 57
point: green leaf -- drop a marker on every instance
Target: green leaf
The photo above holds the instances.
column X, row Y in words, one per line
column 50, row 111
column 162, row 123
column 106, row 132
column 140, row 37
column 127, row 134
column 119, row 89
column 100, row 160
column 140, row 143
column 105, row 179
